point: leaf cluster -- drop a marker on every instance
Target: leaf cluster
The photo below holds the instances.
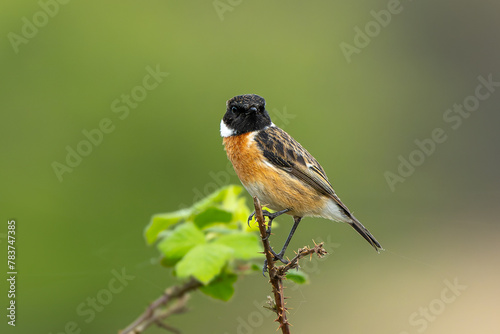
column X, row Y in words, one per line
column 210, row 241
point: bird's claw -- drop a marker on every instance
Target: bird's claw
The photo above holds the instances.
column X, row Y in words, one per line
column 265, row 214
column 277, row 257
column 250, row 218
column 268, row 232
column 271, row 217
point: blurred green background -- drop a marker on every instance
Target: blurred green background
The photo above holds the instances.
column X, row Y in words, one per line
column 357, row 117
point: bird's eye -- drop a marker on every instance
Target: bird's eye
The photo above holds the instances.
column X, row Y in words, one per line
column 234, row 109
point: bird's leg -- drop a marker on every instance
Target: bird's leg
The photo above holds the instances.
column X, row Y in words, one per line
column 271, row 217
column 280, row 255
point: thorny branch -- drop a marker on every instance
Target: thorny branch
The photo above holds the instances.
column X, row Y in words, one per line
column 178, row 296
column 277, row 274
column 156, row 313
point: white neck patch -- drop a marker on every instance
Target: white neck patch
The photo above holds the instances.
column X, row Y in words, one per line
column 225, row 131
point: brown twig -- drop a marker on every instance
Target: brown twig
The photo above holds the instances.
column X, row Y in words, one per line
column 275, row 280
column 303, row 252
column 277, row 274
column 154, row 314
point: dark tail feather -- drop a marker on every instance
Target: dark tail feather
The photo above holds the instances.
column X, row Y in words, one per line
column 365, row 233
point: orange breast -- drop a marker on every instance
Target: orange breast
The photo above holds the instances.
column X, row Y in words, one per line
column 274, row 187
column 244, row 156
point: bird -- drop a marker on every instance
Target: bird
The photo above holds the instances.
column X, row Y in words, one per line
column 279, row 171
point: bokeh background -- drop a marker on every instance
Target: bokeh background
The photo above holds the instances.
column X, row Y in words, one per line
column 356, row 114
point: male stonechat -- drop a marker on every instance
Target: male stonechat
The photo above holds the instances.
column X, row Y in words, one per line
column 276, row 169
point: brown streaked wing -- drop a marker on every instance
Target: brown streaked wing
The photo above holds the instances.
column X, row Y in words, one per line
column 284, row 152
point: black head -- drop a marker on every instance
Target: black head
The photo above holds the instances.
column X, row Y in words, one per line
column 245, row 113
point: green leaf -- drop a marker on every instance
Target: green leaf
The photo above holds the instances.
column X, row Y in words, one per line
column 241, row 214
column 163, row 221
column 245, row 245
column 203, row 262
column 221, row 287
column 220, row 229
column 217, row 197
column 298, row 277
column 212, row 215
column 180, row 241
column 227, row 197
column 230, row 200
